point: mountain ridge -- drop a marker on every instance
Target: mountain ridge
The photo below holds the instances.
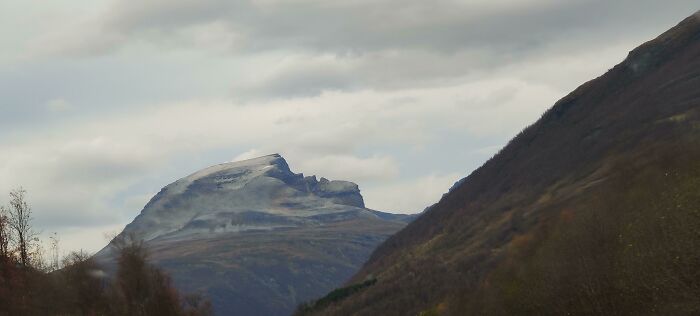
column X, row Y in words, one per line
column 631, row 118
column 227, row 179
column 256, row 237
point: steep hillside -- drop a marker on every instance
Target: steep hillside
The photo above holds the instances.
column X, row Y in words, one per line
column 593, row 210
column 256, row 238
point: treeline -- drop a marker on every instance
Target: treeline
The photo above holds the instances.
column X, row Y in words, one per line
column 78, row 285
column 337, row 295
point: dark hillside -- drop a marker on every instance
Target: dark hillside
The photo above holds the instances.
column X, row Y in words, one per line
column 592, row 210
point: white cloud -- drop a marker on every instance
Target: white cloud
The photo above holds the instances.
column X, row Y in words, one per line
column 59, row 105
column 410, row 196
column 137, row 201
column 79, row 168
column 396, row 95
column 253, row 153
column 351, row 168
column 71, row 181
column 75, row 172
column 488, row 151
column 86, row 172
column 90, row 239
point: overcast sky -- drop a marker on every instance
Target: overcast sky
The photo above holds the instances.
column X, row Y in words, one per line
column 104, row 102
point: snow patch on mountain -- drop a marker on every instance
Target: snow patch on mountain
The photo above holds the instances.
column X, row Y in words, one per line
column 255, row 194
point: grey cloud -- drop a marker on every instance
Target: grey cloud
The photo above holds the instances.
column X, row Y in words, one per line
column 70, row 180
column 311, row 75
column 404, row 79
column 303, row 82
column 383, row 44
column 442, row 50
column 365, row 26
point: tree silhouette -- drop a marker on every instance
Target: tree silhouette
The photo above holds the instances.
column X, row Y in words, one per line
column 20, row 218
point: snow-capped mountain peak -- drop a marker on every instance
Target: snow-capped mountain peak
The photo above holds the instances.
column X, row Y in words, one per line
column 255, row 194
column 254, row 226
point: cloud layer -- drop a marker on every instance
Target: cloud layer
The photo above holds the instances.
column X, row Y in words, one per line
column 105, row 102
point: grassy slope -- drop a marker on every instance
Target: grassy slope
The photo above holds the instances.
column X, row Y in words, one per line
column 591, row 210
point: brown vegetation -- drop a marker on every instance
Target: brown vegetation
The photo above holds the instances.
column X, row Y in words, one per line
column 633, row 249
column 80, row 286
column 593, row 210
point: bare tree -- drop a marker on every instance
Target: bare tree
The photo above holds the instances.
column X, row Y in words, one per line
column 20, row 218
column 4, row 233
column 55, row 263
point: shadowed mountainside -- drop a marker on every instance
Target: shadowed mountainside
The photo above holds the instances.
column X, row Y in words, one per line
column 591, row 210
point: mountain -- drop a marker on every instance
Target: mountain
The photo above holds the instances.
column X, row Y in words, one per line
column 255, row 237
column 592, row 210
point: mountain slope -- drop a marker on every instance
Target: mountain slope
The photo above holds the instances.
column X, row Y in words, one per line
column 255, row 237
column 592, row 210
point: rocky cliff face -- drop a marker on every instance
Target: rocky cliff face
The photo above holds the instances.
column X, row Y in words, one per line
column 257, row 238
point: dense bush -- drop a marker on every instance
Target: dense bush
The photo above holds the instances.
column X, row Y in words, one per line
column 82, row 288
column 333, row 297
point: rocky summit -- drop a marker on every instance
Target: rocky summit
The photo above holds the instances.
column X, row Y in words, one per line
column 256, row 238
